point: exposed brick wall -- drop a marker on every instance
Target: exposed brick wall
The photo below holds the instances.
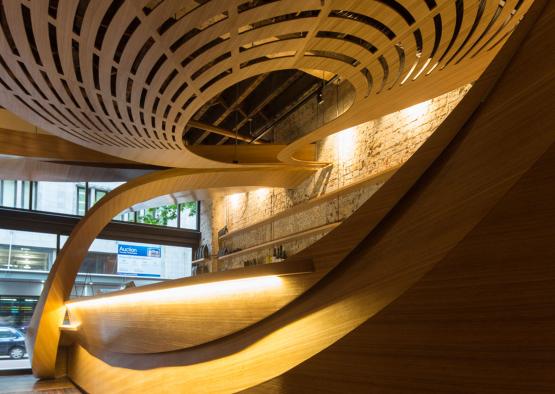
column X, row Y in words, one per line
column 355, row 154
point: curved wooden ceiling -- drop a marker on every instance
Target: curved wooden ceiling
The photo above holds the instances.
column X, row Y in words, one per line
column 126, row 77
column 462, row 174
column 412, row 42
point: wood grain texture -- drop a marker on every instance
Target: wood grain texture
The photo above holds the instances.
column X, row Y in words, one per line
column 480, row 322
column 453, row 190
column 250, row 154
column 44, row 146
column 31, row 169
column 43, row 333
column 194, row 306
column 132, row 95
column 469, row 179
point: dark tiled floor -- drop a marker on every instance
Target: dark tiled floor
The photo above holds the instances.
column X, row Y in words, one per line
column 29, row 384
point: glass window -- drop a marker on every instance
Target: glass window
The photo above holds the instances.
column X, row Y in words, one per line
column 14, row 194
column 126, row 217
column 24, row 200
column 16, row 311
column 189, row 212
column 165, row 215
column 8, row 193
column 81, row 200
column 98, row 194
column 58, row 197
column 132, row 259
column 15, row 316
column 100, row 189
column 23, row 250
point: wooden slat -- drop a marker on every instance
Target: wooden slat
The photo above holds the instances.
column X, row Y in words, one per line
column 136, row 105
column 456, row 189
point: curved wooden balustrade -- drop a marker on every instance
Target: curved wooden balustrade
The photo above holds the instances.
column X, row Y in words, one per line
column 125, row 77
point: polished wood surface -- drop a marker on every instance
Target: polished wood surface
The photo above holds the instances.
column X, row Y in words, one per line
column 459, row 185
column 480, row 321
column 250, row 154
column 44, row 146
column 31, row 169
column 468, row 180
column 132, row 95
column 43, row 332
column 125, row 321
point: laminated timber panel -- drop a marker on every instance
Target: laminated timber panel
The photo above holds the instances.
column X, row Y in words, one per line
column 469, row 178
column 117, row 321
column 481, row 321
column 43, row 333
column 124, row 77
column 44, row 146
column 32, row 169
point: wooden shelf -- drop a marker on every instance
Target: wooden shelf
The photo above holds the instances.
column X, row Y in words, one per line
column 69, row 327
column 198, row 261
column 291, row 237
column 380, row 177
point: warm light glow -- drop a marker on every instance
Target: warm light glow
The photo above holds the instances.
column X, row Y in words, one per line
column 409, row 73
column 70, row 327
column 262, row 193
column 235, row 200
column 422, row 69
column 416, row 111
column 432, row 69
column 346, row 144
column 180, row 294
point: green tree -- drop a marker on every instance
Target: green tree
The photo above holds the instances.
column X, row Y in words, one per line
column 161, row 216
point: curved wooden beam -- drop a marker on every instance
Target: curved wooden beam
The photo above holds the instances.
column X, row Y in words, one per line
column 44, row 146
column 37, row 170
column 43, row 333
column 479, row 321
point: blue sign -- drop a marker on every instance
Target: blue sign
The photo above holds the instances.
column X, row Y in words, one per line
column 136, row 250
column 140, row 260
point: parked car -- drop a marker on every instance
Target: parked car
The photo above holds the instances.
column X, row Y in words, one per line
column 12, row 343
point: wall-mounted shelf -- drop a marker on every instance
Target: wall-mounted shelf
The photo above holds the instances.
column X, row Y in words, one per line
column 200, row 261
column 292, row 237
column 380, row 177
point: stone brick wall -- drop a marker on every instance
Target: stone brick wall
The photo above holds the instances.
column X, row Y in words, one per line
column 356, row 155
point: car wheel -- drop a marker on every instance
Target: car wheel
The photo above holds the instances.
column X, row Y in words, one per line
column 16, row 353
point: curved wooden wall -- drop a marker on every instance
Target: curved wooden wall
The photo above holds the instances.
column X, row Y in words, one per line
column 125, row 77
column 481, row 321
column 476, row 174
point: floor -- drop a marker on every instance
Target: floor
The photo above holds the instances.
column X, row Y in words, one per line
column 29, row 384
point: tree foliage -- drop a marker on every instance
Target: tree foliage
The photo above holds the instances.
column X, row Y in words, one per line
column 161, row 216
